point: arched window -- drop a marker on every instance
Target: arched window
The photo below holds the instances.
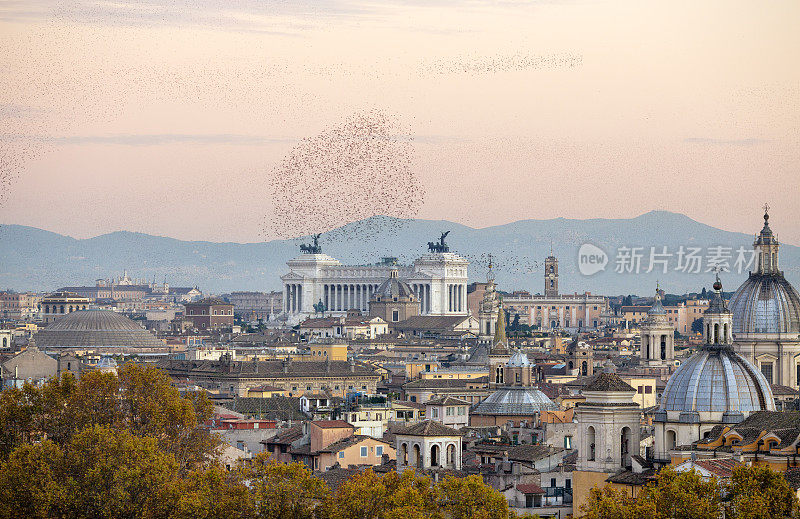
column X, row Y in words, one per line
column 725, row 333
column 590, row 443
column 584, row 368
column 451, row 456
column 671, row 440
column 716, row 333
column 624, row 447
column 571, row 366
column 404, row 453
column 435, row 456
column 62, row 309
column 417, row 457
column 663, row 347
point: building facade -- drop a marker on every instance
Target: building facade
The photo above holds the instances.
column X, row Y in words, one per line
column 553, row 310
column 59, row 304
column 209, row 313
column 438, row 281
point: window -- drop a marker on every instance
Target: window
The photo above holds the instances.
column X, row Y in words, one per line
column 448, row 411
column 395, row 315
column 434, row 412
column 462, row 411
column 640, row 390
column 341, row 454
column 648, row 389
column 363, row 452
column 379, row 451
column 766, row 369
column 567, row 442
column 552, row 482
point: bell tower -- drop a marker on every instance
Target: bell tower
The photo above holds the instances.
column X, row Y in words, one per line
column 499, row 353
column 551, row 276
column 489, row 307
column 766, row 247
column 657, row 336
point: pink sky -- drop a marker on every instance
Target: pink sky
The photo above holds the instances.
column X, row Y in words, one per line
column 168, row 118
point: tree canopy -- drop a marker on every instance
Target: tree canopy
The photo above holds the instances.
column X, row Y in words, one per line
column 131, row 446
column 752, row 493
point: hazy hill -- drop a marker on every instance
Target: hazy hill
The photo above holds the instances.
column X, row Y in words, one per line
column 34, row 259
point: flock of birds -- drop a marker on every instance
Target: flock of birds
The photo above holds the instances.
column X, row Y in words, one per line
column 355, row 180
column 347, row 173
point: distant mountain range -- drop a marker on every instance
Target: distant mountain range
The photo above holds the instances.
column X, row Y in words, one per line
column 35, row 259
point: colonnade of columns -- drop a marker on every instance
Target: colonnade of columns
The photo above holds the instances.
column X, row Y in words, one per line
column 456, row 298
column 293, row 297
column 340, row 297
column 423, row 294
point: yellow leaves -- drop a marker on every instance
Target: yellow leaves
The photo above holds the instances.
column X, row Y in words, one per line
column 753, row 493
column 469, row 498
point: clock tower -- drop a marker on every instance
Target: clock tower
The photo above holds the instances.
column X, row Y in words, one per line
column 551, row 276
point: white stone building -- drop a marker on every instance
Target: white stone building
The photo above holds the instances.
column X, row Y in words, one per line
column 438, row 279
column 428, row 445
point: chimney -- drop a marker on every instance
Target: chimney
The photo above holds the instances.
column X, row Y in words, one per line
column 352, row 365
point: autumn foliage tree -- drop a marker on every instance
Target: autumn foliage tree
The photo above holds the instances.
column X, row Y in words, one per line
column 129, row 445
column 140, row 400
column 752, row 493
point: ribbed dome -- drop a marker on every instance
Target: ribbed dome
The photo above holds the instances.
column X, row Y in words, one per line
column 717, row 380
column 515, row 401
column 518, row 360
column 394, row 287
column 96, row 329
column 766, row 303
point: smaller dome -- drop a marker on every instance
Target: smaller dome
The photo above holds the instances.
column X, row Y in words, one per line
column 515, row 401
column 394, row 287
column 657, row 308
column 518, row 360
column 717, row 380
column 107, row 364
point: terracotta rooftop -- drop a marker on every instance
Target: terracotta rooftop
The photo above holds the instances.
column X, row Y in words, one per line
column 331, row 424
column 428, row 428
column 608, row 382
column 530, row 488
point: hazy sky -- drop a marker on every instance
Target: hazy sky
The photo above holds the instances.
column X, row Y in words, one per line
column 170, row 117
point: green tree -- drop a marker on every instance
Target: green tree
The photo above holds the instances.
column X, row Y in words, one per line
column 283, row 491
column 470, row 498
column 101, row 473
column 609, row 503
column 140, row 399
column 208, row 493
column 393, row 496
column 760, row 493
column 697, row 326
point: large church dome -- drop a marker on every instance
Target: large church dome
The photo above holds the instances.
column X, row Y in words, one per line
column 96, row 329
column 766, row 303
column 717, row 381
